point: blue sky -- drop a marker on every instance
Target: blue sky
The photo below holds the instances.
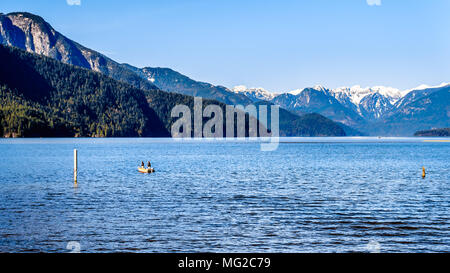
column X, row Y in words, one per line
column 279, row 45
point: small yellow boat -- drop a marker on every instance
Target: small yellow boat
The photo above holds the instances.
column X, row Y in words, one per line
column 146, row 170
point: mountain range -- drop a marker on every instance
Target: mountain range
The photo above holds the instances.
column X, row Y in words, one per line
column 33, row 34
column 374, row 110
column 357, row 111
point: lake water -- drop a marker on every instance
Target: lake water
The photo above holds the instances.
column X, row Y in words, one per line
column 309, row 195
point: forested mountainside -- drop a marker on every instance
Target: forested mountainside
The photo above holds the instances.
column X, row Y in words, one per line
column 44, row 97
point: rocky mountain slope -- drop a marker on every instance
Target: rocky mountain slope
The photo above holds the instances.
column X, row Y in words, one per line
column 33, row 34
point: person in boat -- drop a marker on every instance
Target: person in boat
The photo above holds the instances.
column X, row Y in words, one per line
column 149, row 165
column 142, row 164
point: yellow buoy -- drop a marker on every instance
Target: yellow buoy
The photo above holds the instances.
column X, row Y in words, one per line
column 423, row 172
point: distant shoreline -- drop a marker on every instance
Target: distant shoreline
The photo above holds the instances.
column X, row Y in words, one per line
column 281, row 140
column 426, row 134
column 442, row 132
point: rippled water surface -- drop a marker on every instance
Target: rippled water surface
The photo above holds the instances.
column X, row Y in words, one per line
column 310, row 195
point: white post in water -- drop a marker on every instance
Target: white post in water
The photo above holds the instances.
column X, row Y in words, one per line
column 75, row 165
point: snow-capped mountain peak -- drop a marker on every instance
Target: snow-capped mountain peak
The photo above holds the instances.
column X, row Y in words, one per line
column 239, row 89
column 255, row 93
column 296, row 91
column 356, row 93
column 424, row 86
column 319, row 88
column 370, row 103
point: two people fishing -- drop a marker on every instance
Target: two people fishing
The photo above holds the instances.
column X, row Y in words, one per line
column 149, row 165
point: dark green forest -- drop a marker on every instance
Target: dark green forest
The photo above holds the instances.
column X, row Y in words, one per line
column 43, row 97
column 22, row 118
